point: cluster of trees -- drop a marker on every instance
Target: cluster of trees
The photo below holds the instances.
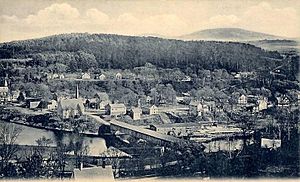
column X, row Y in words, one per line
column 8, row 137
column 81, row 51
column 60, row 62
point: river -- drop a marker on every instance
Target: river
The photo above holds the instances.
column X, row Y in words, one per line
column 30, row 135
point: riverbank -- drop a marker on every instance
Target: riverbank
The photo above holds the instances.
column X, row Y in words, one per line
column 42, row 121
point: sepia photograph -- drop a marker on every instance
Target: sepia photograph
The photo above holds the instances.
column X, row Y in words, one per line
column 149, row 90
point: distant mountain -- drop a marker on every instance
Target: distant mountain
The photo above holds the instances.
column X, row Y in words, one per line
column 228, row 34
column 282, row 46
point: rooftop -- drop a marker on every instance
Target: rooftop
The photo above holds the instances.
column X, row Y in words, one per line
column 71, row 103
column 167, row 125
column 101, row 94
column 136, row 109
column 117, row 105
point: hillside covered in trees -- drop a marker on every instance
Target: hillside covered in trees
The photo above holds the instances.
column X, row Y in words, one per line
column 82, row 51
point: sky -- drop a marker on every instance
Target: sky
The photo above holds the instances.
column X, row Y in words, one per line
column 20, row 19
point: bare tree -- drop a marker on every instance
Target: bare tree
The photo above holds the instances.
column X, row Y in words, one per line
column 44, row 142
column 8, row 136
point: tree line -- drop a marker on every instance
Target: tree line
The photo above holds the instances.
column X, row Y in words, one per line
column 83, row 51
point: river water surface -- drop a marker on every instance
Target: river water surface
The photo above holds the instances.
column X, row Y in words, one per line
column 30, row 135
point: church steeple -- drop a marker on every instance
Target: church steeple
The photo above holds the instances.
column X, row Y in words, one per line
column 5, row 83
column 77, row 92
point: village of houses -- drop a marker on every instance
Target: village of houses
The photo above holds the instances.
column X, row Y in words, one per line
column 150, row 122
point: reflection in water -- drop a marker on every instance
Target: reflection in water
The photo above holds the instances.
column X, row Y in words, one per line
column 29, row 135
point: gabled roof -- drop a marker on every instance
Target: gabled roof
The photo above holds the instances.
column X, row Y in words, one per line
column 85, row 75
column 136, row 109
column 243, row 96
column 283, row 99
column 153, row 107
column 101, row 94
column 71, row 104
column 117, row 105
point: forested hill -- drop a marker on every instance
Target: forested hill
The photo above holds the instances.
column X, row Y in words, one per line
column 82, row 51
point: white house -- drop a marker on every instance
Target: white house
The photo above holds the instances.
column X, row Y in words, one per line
column 136, row 113
column 61, row 76
column 270, row 143
column 242, row 99
column 104, row 103
column 262, row 104
column 153, row 110
column 102, row 77
column 283, row 101
column 85, row 76
column 237, row 76
column 115, row 109
column 119, row 76
column 68, row 108
column 52, row 105
column 101, row 96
